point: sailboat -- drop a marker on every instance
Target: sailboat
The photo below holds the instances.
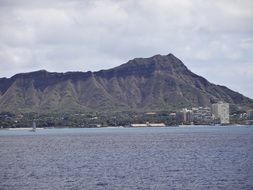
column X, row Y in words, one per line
column 34, row 127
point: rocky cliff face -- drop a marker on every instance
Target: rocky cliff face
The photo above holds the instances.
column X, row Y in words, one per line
column 155, row 83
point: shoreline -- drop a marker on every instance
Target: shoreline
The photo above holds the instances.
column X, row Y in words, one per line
column 20, row 129
column 111, row 127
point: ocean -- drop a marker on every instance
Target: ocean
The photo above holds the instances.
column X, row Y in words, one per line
column 202, row 157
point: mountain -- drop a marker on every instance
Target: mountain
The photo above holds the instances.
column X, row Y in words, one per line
column 141, row 84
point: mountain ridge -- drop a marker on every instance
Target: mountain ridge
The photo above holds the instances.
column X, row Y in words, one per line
column 154, row 83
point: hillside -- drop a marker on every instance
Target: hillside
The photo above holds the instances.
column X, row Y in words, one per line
column 141, row 84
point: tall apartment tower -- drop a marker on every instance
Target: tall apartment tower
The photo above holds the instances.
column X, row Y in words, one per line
column 220, row 111
column 250, row 114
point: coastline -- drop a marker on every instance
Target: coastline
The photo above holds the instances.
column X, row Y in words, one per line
column 118, row 127
column 20, row 129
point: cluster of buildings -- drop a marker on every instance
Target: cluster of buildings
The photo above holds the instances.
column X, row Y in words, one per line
column 218, row 113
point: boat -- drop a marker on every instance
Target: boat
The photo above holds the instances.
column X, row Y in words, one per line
column 34, row 127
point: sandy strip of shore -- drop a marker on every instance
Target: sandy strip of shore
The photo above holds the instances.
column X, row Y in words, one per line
column 17, row 129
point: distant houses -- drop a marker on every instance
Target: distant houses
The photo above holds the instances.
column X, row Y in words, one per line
column 196, row 115
column 217, row 114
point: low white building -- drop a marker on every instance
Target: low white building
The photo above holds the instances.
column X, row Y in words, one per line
column 156, row 124
column 220, row 111
column 148, row 125
column 138, row 125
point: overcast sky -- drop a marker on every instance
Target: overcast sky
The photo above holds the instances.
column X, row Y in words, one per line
column 214, row 38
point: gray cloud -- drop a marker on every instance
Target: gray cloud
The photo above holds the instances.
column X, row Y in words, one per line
column 213, row 38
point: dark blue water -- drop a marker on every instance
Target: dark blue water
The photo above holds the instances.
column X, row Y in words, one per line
column 146, row 158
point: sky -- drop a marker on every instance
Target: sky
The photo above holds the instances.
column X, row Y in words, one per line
column 214, row 38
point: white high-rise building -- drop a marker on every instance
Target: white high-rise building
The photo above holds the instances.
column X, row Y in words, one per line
column 250, row 114
column 220, row 111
